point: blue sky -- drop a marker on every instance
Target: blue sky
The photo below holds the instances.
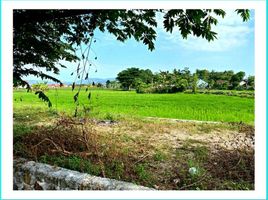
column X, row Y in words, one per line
column 234, row 50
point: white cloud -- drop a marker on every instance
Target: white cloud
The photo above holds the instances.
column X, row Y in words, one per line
column 232, row 33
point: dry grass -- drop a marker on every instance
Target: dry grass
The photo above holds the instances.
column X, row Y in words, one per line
column 152, row 153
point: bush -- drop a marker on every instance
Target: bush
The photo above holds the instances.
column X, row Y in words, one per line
column 40, row 87
column 240, row 88
column 160, row 89
column 251, row 88
column 142, row 88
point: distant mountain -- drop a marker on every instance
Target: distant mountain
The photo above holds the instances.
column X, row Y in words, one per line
column 90, row 81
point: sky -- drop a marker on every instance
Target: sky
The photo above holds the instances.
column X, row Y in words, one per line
column 233, row 50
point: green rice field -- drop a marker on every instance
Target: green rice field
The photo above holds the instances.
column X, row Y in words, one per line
column 107, row 103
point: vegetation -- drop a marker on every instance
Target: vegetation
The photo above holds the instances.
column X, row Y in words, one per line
column 128, row 103
column 40, row 87
column 44, row 38
column 122, row 134
column 133, row 77
column 152, row 153
column 144, row 81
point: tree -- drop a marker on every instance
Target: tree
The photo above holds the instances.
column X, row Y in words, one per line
column 251, row 82
column 108, row 84
column 43, row 38
column 203, row 74
column 180, row 85
column 131, row 77
column 115, row 85
column 146, row 76
column 127, row 77
column 236, row 79
column 194, row 83
column 99, row 85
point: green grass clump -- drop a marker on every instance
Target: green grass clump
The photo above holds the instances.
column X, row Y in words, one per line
column 159, row 156
column 72, row 162
column 144, row 176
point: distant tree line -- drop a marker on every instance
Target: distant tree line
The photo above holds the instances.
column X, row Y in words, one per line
column 145, row 81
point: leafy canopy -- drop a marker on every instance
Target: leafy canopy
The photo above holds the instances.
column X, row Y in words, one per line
column 44, row 38
column 128, row 78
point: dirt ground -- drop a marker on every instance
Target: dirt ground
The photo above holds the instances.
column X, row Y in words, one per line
column 150, row 152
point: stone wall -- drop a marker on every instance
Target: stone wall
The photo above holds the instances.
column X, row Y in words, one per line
column 30, row 175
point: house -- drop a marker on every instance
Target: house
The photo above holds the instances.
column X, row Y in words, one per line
column 54, row 85
column 201, row 84
column 243, row 83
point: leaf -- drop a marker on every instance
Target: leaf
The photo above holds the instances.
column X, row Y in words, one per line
column 77, row 70
column 73, row 86
column 43, row 97
column 86, row 76
column 76, row 97
column 244, row 13
column 72, row 73
column 75, row 112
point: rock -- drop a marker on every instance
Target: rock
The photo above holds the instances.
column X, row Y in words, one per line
column 30, row 175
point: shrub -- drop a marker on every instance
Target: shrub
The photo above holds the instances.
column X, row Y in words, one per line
column 40, row 87
column 144, row 88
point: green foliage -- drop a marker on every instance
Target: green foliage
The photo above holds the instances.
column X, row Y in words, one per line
column 20, row 129
column 142, row 172
column 195, row 22
column 166, row 82
column 113, row 85
column 109, row 116
column 180, row 85
column 44, row 38
column 131, row 77
column 225, row 107
column 203, row 74
column 159, row 156
column 182, row 80
column 194, row 84
column 108, row 84
column 99, row 85
column 72, row 162
column 241, row 185
column 115, row 170
column 43, row 97
column 245, row 14
column 236, row 79
column 40, row 87
column 251, row 81
column 142, row 87
column 237, row 93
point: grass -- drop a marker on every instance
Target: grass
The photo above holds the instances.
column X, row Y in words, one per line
column 151, row 152
column 242, row 93
column 155, row 154
column 111, row 104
